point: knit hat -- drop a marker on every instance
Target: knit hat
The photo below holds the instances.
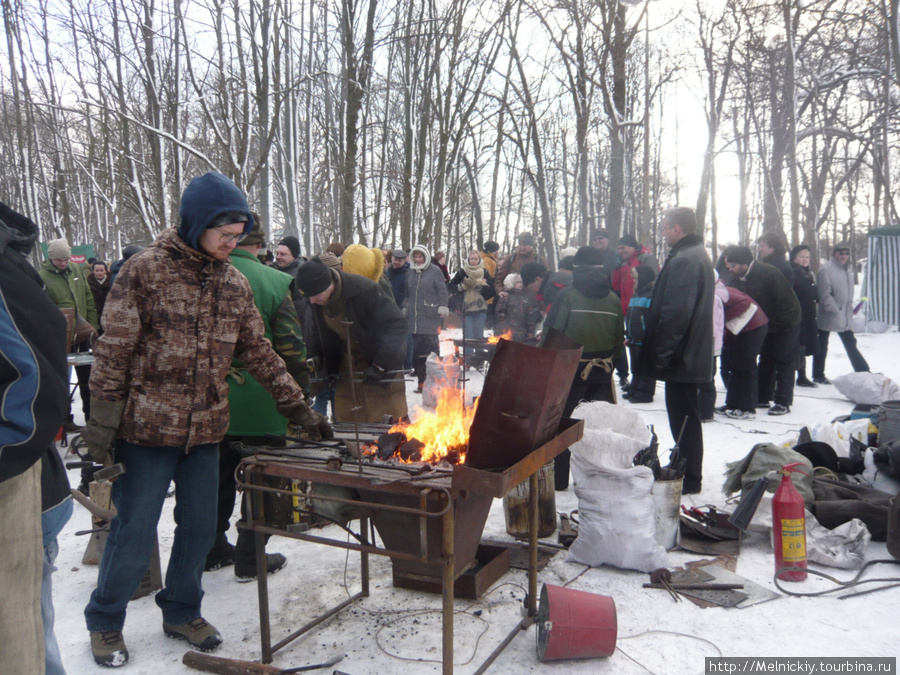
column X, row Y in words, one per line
column 588, row 255
column 330, row 260
column 313, row 278
column 399, row 254
column 628, row 240
column 525, row 239
column 335, row 247
column 568, row 251
column 599, row 234
column 293, row 245
column 130, row 250
column 58, row 249
column 367, row 262
column 491, row 246
column 509, row 283
column 741, row 255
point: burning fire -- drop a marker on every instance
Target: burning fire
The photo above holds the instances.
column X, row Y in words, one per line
column 505, row 335
column 442, row 435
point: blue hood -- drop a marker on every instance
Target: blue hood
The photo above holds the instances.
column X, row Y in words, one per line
column 205, row 198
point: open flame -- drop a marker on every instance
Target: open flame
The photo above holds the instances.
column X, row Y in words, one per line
column 438, row 436
column 505, row 335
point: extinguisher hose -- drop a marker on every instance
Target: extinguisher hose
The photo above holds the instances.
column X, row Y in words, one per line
column 840, row 584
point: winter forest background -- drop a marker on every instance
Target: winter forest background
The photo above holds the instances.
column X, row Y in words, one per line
column 450, row 122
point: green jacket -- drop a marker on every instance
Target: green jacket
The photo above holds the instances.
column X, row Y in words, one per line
column 590, row 314
column 252, row 410
column 68, row 288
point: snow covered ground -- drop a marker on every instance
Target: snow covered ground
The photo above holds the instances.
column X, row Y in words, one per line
column 399, row 631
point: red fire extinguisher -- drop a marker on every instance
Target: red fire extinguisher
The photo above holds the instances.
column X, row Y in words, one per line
column 789, row 527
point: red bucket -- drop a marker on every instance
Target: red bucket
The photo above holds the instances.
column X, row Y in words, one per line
column 575, row 624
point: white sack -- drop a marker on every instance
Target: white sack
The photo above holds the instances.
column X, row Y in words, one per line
column 605, row 416
column 838, row 434
column 617, row 521
column 867, row 388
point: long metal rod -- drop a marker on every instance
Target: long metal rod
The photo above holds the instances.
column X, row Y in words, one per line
column 347, row 325
column 532, row 542
column 524, row 624
column 315, row 622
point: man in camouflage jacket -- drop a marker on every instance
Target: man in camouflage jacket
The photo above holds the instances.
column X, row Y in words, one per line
column 176, row 316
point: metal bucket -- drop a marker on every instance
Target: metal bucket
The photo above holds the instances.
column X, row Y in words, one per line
column 515, row 506
column 667, row 504
column 888, row 422
column 575, row 624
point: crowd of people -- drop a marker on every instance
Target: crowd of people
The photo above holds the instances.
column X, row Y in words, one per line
column 212, row 339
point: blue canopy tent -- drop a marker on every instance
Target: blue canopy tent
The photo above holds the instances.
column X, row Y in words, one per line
column 883, row 275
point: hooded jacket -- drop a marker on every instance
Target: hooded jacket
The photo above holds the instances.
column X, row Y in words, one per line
column 590, row 314
column 174, row 320
column 33, row 373
column 678, row 344
column 426, row 291
column 206, row 198
column 835, row 290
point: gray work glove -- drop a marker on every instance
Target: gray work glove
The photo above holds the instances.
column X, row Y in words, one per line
column 302, row 415
column 99, row 434
column 373, row 374
column 443, row 312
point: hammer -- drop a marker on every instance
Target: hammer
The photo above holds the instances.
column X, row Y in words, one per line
column 223, row 666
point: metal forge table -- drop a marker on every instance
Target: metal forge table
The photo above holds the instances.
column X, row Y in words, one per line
column 445, row 507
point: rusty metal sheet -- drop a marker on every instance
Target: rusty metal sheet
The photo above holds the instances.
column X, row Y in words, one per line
column 521, row 403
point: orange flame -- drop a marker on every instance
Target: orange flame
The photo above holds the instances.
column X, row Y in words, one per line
column 444, row 431
column 505, row 335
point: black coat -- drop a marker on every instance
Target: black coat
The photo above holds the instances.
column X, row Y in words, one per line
column 33, row 371
column 804, row 285
column 781, row 263
column 678, row 344
column 377, row 324
column 774, row 294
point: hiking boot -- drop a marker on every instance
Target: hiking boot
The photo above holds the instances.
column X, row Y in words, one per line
column 244, row 572
column 640, row 397
column 806, row 382
column 108, row 647
column 198, row 633
column 821, row 380
column 723, row 409
column 741, row 414
column 219, row 557
column 779, row 409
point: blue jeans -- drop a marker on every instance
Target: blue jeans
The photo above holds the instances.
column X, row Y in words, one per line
column 139, row 495
column 321, row 403
column 473, row 327
column 52, row 523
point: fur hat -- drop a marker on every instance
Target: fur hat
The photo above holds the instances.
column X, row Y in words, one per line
column 532, row 271
column 741, row 255
column 58, row 249
column 588, row 255
column 313, row 278
column 293, row 245
column 335, row 247
column 796, row 250
column 509, row 283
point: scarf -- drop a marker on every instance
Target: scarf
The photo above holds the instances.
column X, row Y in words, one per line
column 472, row 283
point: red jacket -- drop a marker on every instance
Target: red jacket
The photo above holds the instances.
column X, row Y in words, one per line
column 622, row 281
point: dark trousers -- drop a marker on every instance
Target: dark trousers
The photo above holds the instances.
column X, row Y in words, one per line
column 83, row 374
column 683, row 408
column 621, row 364
column 849, row 339
column 599, row 387
column 229, row 458
column 742, row 382
column 778, row 365
column 708, row 399
column 644, row 385
column 423, row 345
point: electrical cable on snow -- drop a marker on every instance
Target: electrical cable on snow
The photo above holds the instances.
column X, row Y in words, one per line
column 662, row 632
